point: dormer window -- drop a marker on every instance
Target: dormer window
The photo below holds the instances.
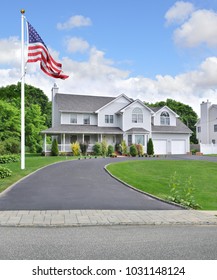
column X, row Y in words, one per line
column 165, row 118
column 137, row 116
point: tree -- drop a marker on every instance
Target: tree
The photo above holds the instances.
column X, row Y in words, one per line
column 9, row 121
column 54, row 148
column 185, row 112
column 34, row 123
column 37, row 115
column 150, row 147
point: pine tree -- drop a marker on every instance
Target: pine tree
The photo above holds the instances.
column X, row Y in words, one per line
column 54, row 148
column 150, row 147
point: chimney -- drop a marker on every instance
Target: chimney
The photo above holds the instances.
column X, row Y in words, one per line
column 54, row 91
column 204, row 119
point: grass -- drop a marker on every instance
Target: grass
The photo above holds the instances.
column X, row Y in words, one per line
column 33, row 162
column 153, row 177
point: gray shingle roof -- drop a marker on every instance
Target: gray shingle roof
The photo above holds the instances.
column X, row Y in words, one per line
column 137, row 130
column 89, row 129
column 179, row 128
column 81, row 103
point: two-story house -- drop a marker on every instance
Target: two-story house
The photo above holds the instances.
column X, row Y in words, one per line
column 91, row 119
column 206, row 126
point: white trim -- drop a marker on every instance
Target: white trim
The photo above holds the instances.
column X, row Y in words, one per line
column 141, row 103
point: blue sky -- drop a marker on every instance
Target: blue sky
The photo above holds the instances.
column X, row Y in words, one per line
column 150, row 50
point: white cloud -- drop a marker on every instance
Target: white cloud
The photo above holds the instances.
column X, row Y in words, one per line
column 10, row 51
column 76, row 44
column 179, row 12
column 199, row 29
column 100, row 76
column 75, row 21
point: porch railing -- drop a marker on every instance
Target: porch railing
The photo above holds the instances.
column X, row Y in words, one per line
column 67, row 148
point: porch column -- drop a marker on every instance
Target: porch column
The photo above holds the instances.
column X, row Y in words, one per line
column 82, row 138
column 64, row 142
column 45, row 143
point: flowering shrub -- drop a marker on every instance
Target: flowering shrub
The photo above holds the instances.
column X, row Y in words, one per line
column 76, row 149
column 139, row 148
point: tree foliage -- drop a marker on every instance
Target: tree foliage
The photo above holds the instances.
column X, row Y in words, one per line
column 37, row 116
column 186, row 114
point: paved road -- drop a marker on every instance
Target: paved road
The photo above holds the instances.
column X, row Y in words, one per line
column 113, row 242
column 76, row 185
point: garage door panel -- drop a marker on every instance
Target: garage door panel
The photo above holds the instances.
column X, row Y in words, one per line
column 178, row 147
column 160, row 146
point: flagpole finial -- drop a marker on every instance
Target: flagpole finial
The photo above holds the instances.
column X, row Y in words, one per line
column 22, row 11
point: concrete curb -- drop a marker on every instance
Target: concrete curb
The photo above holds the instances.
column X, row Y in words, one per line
column 140, row 191
column 78, row 218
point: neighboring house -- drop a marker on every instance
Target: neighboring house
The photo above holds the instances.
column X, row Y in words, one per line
column 206, row 126
column 90, row 119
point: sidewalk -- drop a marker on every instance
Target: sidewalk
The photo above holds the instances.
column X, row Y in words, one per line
column 67, row 218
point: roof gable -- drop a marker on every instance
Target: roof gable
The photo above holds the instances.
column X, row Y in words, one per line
column 133, row 103
column 115, row 99
column 161, row 109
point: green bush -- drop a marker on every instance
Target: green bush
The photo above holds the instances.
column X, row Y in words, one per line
column 9, row 158
column 133, row 151
column 10, row 146
column 54, row 148
column 110, row 150
column 5, row 172
column 104, row 147
column 76, row 151
column 150, row 147
column 97, row 149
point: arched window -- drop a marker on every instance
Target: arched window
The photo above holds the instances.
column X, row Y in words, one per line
column 137, row 115
column 165, row 118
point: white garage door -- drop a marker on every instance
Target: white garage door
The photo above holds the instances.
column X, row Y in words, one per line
column 178, row 147
column 160, row 147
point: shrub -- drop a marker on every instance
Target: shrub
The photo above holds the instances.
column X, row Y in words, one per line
column 83, row 147
column 5, row 172
column 76, row 151
column 139, row 148
column 54, row 148
column 150, row 147
column 133, row 151
column 124, row 147
column 110, row 150
column 9, row 158
column 182, row 192
column 97, row 149
column 12, row 146
column 104, row 148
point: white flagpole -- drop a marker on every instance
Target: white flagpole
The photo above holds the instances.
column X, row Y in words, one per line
column 22, row 92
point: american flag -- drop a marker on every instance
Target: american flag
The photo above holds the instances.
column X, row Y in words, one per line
column 38, row 51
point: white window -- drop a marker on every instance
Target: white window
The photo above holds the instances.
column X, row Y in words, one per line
column 109, row 119
column 137, row 116
column 140, row 139
column 73, row 118
column 165, row 118
column 86, row 119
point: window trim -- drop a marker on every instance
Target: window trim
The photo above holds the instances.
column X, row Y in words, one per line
column 137, row 115
column 109, row 118
column 165, row 118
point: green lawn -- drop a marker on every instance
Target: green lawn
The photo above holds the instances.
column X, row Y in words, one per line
column 153, row 177
column 33, row 162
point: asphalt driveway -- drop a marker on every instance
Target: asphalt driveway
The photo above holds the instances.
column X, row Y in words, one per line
column 74, row 185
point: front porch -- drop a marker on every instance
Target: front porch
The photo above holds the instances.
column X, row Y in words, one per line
column 65, row 141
